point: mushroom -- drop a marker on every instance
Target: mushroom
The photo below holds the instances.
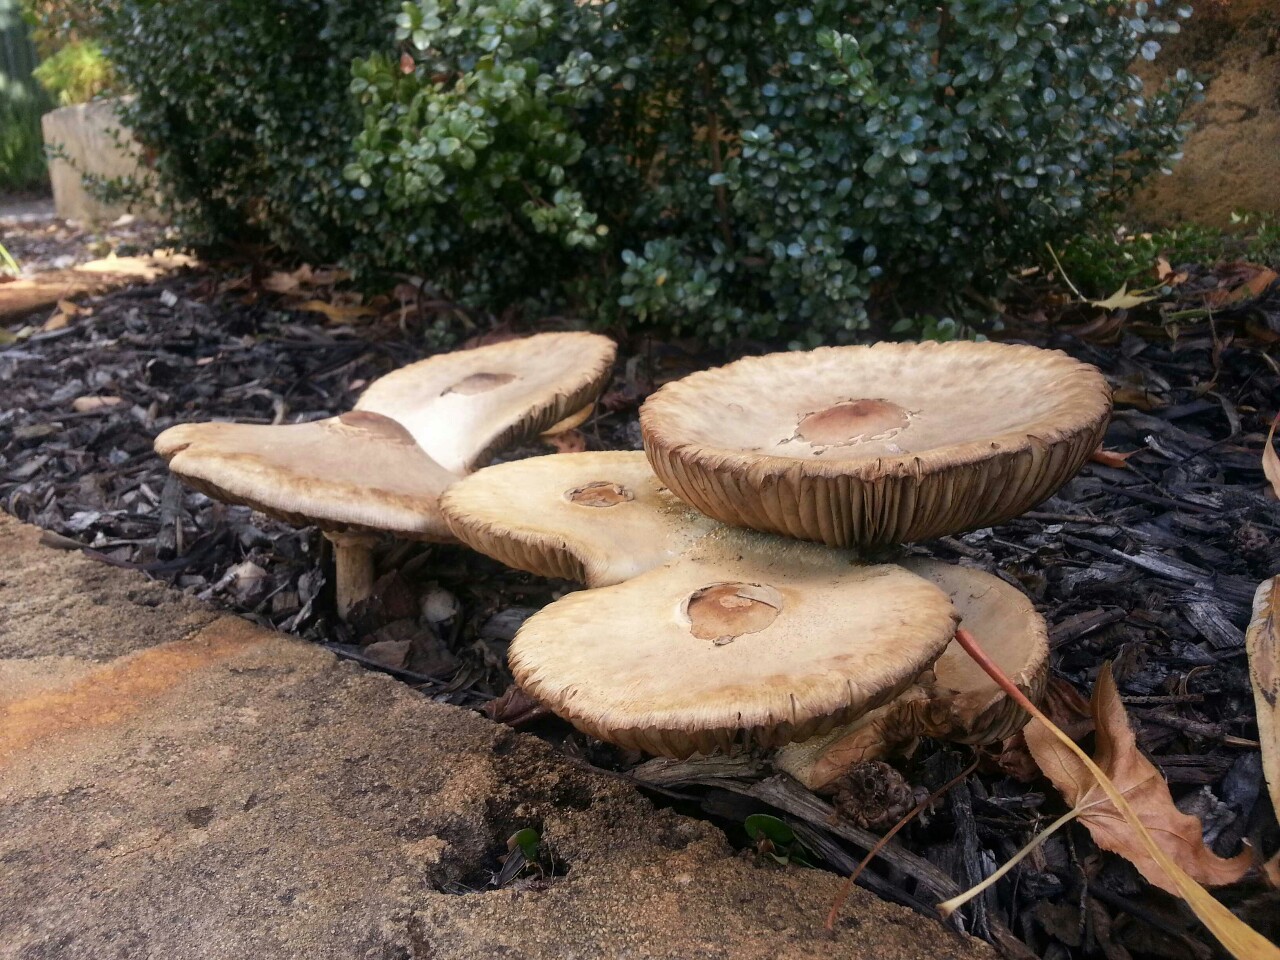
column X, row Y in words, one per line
column 354, row 476
column 596, row 518
column 955, row 700
column 383, row 467
column 871, row 445
column 465, row 406
column 743, row 640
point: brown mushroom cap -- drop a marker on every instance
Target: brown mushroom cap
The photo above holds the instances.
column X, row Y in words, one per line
column 954, row 700
column 359, row 472
column 862, row 446
column 745, row 639
column 597, row 518
column 462, row 407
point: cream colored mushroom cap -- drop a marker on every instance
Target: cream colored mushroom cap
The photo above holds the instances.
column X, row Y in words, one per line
column 954, row 700
column 359, row 472
column 462, row 407
column 862, row 446
column 744, row 640
column 597, row 518
column 1005, row 621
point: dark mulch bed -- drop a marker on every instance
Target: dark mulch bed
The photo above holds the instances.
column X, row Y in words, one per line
column 47, row 243
column 1151, row 566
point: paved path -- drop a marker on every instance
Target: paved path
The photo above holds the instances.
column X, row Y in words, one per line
column 25, row 210
column 175, row 783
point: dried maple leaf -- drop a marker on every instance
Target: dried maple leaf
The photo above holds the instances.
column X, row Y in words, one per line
column 1263, row 645
column 1142, row 786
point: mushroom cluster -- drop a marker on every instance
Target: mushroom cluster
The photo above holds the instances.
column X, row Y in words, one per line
column 381, row 468
column 711, row 624
column 742, row 591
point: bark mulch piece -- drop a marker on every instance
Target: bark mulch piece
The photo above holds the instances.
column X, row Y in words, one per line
column 1149, row 563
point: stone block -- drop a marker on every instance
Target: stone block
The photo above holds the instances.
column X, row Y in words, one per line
column 94, row 142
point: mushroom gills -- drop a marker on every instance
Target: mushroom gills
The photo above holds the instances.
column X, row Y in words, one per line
column 952, row 700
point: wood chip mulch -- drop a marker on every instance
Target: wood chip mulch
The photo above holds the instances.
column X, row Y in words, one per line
column 1149, row 562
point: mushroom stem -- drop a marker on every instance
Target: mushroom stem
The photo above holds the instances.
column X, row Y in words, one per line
column 353, row 568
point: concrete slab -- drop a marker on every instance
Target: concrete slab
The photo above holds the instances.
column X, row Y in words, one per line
column 179, row 784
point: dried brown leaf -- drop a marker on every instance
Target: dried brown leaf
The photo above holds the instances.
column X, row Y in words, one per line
column 1111, row 458
column 1134, row 397
column 337, row 313
column 1262, row 641
column 1141, row 785
column 1270, row 461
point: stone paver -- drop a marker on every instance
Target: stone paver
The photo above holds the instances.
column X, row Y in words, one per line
column 179, row 784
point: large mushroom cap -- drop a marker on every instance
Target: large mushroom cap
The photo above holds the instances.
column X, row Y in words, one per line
column 861, row 446
column 744, row 639
column 968, row 706
column 597, row 518
column 462, row 407
column 359, row 472
column 955, row 700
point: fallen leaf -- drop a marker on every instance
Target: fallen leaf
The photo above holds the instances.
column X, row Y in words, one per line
column 1270, row 461
column 1262, row 642
column 287, row 281
column 1177, row 834
column 1166, row 274
column 1122, row 299
column 94, row 404
column 337, row 313
column 1133, row 397
column 570, row 441
column 1111, row 458
column 515, row 708
column 1240, row 282
column 1271, row 870
column 56, row 322
column 1067, row 708
column 1240, row 939
column 407, row 64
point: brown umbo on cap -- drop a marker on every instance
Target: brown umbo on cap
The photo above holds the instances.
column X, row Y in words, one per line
column 954, row 700
column 597, row 518
column 744, row 640
column 354, row 476
column 863, row 446
column 463, row 407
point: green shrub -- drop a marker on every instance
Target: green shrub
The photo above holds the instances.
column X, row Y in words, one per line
column 22, row 162
column 730, row 167
column 245, row 107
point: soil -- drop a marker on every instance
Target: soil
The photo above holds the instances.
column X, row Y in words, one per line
column 1231, row 161
column 1149, row 563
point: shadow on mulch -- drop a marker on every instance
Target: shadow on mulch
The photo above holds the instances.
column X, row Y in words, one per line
column 1151, row 565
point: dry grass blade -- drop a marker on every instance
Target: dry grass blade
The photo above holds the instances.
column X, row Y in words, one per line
column 1241, row 940
column 1262, row 642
